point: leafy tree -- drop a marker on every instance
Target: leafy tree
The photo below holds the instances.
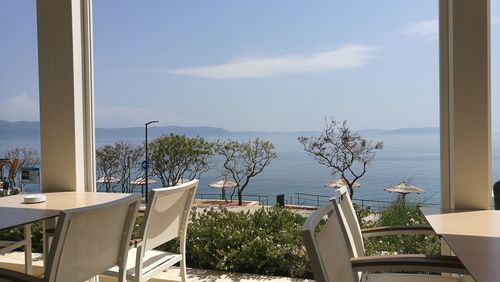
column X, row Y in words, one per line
column 119, row 160
column 27, row 157
column 244, row 161
column 343, row 151
column 174, row 157
column 108, row 161
column 130, row 157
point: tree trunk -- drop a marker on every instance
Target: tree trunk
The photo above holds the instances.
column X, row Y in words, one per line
column 240, row 198
column 351, row 192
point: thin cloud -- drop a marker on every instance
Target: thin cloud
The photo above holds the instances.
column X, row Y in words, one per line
column 430, row 29
column 20, row 108
column 348, row 57
column 423, row 29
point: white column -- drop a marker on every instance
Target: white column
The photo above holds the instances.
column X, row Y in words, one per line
column 66, row 102
column 464, row 28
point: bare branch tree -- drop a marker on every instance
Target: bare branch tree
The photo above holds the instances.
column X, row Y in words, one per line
column 27, row 157
column 343, row 151
column 130, row 156
column 243, row 161
column 108, row 165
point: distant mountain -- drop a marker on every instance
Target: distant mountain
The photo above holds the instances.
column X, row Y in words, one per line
column 16, row 130
column 30, row 130
column 153, row 132
column 371, row 131
column 421, row 130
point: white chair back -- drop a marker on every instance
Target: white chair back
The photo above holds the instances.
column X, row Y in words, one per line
column 90, row 240
column 328, row 248
column 167, row 214
column 347, row 215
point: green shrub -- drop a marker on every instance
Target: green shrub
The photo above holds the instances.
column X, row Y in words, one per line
column 266, row 242
column 17, row 234
column 401, row 213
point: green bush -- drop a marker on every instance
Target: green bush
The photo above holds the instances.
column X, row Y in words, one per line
column 266, row 242
column 401, row 213
column 17, row 234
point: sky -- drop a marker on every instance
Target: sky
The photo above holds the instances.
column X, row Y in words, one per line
column 280, row 65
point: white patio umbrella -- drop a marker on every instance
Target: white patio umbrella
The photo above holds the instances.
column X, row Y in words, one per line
column 142, row 181
column 404, row 188
column 223, row 184
column 337, row 183
column 108, row 179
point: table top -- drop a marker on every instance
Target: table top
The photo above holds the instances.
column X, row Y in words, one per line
column 14, row 212
column 473, row 235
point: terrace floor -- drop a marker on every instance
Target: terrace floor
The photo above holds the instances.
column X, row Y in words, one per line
column 15, row 261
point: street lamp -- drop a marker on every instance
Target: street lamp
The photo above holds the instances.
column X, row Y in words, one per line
column 146, row 166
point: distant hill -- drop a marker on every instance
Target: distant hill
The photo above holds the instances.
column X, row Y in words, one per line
column 421, row 130
column 16, row 130
column 30, row 130
column 153, row 132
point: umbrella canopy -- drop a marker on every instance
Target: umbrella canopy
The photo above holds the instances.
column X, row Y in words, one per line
column 141, row 181
column 337, row 183
column 108, row 179
column 223, row 184
column 404, row 188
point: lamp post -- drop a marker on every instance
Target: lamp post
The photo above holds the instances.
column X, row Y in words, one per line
column 147, row 162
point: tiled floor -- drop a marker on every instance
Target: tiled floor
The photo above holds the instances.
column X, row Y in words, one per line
column 15, row 261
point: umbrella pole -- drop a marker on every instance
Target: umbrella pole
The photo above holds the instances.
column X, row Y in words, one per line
column 403, row 198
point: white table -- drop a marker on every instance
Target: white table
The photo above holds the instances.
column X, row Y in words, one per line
column 474, row 236
column 14, row 212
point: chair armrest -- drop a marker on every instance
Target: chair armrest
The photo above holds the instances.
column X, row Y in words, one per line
column 14, row 276
column 428, row 263
column 135, row 243
column 50, row 231
column 397, row 230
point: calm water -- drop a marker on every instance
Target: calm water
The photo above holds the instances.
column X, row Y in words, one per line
column 405, row 156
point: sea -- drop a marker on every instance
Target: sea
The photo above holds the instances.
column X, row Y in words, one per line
column 297, row 176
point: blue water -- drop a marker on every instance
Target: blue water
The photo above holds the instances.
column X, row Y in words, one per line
column 404, row 157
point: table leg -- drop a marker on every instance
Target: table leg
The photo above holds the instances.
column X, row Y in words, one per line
column 48, row 224
column 28, row 260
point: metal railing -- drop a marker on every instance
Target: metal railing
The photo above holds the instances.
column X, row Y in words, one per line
column 263, row 199
column 304, row 199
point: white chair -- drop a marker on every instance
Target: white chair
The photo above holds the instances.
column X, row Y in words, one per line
column 337, row 251
column 165, row 219
column 87, row 242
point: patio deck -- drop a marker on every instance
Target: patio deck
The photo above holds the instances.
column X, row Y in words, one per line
column 15, row 261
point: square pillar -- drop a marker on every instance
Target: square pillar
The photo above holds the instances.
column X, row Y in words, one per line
column 465, row 118
column 66, row 102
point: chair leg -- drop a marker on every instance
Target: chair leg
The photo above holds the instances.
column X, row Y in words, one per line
column 28, row 260
column 183, row 270
column 182, row 251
